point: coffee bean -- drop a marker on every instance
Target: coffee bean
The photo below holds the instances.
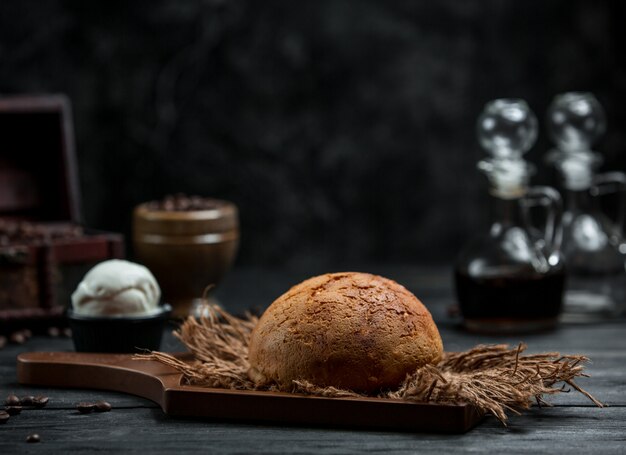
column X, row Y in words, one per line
column 12, row 400
column 4, row 417
column 33, row 438
column 13, row 410
column 67, row 332
column 17, row 338
column 27, row 333
column 3, row 341
column 182, row 203
column 28, row 400
column 85, row 408
column 103, row 406
column 54, row 332
column 24, row 232
column 40, row 401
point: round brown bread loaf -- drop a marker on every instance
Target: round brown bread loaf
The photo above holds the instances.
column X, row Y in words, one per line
column 348, row 330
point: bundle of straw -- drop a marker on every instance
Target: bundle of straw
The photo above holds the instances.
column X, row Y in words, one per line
column 493, row 378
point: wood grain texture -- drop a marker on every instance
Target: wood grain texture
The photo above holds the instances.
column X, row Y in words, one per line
column 554, row 430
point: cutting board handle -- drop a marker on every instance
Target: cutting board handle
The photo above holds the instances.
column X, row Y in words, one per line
column 117, row 372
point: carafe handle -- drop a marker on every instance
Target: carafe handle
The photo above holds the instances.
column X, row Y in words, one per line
column 612, row 183
column 549, row 199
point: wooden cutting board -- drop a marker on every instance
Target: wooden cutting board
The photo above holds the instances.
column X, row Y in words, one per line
column 162, row 384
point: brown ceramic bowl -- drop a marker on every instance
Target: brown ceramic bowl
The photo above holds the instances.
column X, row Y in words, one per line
column 186, row 250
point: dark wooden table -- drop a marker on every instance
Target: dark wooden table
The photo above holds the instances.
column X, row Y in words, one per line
column 573, row 425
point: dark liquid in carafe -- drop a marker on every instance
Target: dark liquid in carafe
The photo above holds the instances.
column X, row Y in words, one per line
column 510, row 303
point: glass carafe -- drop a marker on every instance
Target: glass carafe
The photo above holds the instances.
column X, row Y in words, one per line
column 593, row 241
column 511, row 277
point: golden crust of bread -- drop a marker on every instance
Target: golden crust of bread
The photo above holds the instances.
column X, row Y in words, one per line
column 348, row 330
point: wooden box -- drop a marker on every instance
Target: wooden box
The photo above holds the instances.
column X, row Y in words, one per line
column 44, row 250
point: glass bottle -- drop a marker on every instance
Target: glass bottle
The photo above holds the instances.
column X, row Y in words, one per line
column 593, row 241
column 511, row 278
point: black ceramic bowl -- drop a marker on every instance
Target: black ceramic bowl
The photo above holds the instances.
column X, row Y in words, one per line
column 118, row 334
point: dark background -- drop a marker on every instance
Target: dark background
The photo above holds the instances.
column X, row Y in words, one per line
column 344, row 130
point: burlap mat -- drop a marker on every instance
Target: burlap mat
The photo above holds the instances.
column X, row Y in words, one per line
column 494, row 378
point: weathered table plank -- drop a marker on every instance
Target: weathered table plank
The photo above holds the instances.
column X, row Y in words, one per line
column 554, row 429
